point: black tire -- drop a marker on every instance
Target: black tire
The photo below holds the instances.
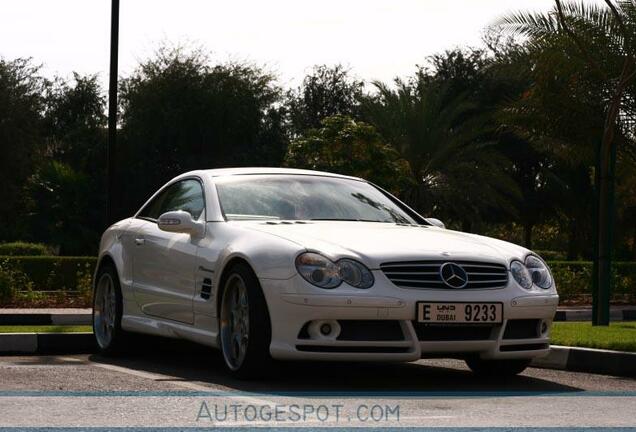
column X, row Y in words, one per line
column 257, row 360
column 118, row 342
column 497, row 368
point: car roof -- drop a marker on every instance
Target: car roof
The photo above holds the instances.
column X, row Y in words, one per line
column 223, row 172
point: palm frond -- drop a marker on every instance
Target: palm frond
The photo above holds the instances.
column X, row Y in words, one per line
column 530, row 24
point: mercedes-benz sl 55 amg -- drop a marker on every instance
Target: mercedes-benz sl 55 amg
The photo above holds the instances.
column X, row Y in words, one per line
column 281, row 264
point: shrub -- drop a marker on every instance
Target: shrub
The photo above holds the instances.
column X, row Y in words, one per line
column 84, row 278
column 53, row 273
column 25, row 249
column 11, row 280
column 551, row 255
column 574, row 278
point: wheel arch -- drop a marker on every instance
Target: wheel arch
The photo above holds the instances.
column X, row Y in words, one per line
column 104, row 260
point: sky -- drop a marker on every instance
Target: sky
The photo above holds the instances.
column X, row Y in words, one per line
column 376, row 39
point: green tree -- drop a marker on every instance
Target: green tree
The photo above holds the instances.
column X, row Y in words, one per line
column 602, row 40
column 503, row 88
column 21, row 141
column 325, row 92
column 66, row 192
column 455, row 168
column 75, row 123
column 345, row 146
column 180, row 112
column 60, row 209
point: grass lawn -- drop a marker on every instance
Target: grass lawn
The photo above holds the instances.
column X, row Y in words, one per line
column 45, row 328
column 620, row 336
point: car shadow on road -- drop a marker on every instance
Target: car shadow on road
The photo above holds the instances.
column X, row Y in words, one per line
column 179, row 361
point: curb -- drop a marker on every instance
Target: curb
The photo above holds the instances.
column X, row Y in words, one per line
column 45, row 319
column 47, row 343
column 589, row 360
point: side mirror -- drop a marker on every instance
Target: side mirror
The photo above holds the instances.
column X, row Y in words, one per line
column 436, row 222
column 180, row 222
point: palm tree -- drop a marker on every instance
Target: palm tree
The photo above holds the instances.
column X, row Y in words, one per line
column 449, row 147
column 605, row 38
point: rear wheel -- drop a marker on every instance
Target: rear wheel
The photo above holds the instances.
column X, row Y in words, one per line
column 495, row 368
column 245, row 329
column 107, row 311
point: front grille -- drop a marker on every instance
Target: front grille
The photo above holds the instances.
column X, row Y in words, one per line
column 426, row 274
column 456, row 332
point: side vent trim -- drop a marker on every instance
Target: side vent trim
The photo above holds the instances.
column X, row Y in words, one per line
column 206, row 288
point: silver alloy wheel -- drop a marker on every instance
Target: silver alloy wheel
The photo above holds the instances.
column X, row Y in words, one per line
column 105, row 310
column 235, row 322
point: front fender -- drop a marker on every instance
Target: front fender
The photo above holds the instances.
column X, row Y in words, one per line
column 270, row 257
column 111, row 247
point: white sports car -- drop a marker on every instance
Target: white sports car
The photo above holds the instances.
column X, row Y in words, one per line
column 302, row 265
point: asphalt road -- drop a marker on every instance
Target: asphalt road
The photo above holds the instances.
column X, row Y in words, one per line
column 175, row 384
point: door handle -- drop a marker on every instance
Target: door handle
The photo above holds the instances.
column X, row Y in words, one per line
column 139, row 241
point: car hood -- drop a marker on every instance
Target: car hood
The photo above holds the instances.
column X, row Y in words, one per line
column 376, row 243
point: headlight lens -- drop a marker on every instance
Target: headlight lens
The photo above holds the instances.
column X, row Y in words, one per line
column 355, row 274
column 318, row 270
column 521, row 274
column 324, row 273
column 539, row 272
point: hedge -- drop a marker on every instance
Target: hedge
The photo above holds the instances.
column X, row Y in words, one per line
column 49, row 273
column 24, row 249
column 573, row 279
column 53, row 273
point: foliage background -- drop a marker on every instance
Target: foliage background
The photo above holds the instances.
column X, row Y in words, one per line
column 499, row 139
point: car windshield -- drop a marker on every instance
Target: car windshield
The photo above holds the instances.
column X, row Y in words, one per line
column 302, row 197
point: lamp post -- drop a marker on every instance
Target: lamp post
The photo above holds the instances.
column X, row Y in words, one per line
column 112, row 190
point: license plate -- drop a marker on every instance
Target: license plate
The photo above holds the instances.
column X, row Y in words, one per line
column 459, row 313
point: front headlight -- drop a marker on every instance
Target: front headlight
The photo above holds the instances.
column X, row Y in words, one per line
column 532, row 272
column 324, row 273
column 539, row 272
column 521, row 274
column 355, row 274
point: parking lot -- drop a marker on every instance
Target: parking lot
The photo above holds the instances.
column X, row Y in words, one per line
column 183, row 385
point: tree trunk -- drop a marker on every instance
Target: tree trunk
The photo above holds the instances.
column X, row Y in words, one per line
column 605, row 206
column 572, row 240
column 527, row 235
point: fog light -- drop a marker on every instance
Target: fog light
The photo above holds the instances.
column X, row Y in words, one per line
column 325, row 329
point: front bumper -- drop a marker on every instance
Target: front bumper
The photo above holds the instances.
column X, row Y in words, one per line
column 294, row 304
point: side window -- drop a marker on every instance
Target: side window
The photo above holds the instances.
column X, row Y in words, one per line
column 186, row 195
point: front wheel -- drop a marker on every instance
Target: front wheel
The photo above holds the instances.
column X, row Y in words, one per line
column 107, row 312
column 245, row 329
column 497, row 368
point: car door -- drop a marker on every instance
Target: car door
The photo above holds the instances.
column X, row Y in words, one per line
column 164, row 263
